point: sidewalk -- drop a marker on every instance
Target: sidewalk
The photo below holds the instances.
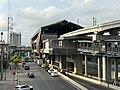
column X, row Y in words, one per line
column 10, row 82
column 95, row 81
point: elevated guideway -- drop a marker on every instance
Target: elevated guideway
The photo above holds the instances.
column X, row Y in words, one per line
column 105, row 27
column 106, row 50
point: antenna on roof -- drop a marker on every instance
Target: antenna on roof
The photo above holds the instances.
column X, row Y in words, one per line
column 94, row 21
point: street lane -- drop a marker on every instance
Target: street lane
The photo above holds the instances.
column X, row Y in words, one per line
column 43, row 80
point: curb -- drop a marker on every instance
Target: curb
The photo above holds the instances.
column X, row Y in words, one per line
column 85, row 78
column 72, row 82
column 96, row 82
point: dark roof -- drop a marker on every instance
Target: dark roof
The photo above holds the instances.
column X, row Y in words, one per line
column 60, row 27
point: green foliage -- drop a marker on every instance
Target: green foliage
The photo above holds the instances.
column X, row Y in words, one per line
column 15, row 58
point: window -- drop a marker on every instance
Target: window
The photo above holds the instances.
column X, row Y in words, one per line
column 60, row 43
column 25, row 86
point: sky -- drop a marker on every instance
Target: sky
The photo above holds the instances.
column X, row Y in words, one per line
column 29, row 15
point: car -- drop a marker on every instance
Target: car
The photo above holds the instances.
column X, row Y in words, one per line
column 50, row 70
column 23, row 87
column 31, row 60
column 54, row 74
column 23, row 63
column 43, row 65
column 31, row 75
column 47, row 68
column 26, row 67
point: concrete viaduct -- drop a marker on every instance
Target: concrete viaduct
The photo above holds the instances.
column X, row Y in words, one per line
column 104, row 58
column 74, row 49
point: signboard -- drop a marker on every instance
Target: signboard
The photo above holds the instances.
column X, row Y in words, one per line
column 22, row 54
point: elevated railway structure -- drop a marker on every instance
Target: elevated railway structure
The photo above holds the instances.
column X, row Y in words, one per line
column 74, row 50
column 21, row 50
column 102, row 43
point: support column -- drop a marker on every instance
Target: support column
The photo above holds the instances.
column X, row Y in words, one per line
column 86, row 66
column 99, row 68
column 104, row 62
column 108, row 69
column 48, row 59
column 62, row 63
column 52, row 59
column 116, row 70
column 78, row 64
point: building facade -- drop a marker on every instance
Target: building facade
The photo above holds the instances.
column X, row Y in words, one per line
column 84, row 51
column 15, row 39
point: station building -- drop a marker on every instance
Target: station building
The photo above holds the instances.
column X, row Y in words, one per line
column 92, row 51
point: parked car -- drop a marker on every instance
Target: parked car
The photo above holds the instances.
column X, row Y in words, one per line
column 50, row 70
column 26, row 67
column 47, row 68
column 54, row 74
column 43, row 65
column 23, row 63
column 31, row 75
column 23, row 87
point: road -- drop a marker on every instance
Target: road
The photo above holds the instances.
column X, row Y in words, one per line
column 43, row 80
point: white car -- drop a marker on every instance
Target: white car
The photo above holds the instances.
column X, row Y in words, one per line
column 23, row 87
column 51, row 70
column 43, row 65
column 54, row 74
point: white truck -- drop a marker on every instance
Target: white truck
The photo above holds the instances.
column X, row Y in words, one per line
column 39, row 61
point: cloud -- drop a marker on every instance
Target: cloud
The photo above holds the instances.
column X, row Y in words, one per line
column 29, row 17
column 3, row 1
column 3, row 22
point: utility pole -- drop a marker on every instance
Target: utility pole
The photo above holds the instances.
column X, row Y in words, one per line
column 1, row 47
column 10, row 27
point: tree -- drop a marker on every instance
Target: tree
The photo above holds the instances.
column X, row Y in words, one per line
column 15, row 59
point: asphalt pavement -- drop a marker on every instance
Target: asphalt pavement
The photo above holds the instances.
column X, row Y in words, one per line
column 42, row 81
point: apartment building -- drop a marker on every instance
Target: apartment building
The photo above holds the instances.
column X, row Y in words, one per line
column 15, row 39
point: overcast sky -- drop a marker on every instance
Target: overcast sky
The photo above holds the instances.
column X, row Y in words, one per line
column 30, row 15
